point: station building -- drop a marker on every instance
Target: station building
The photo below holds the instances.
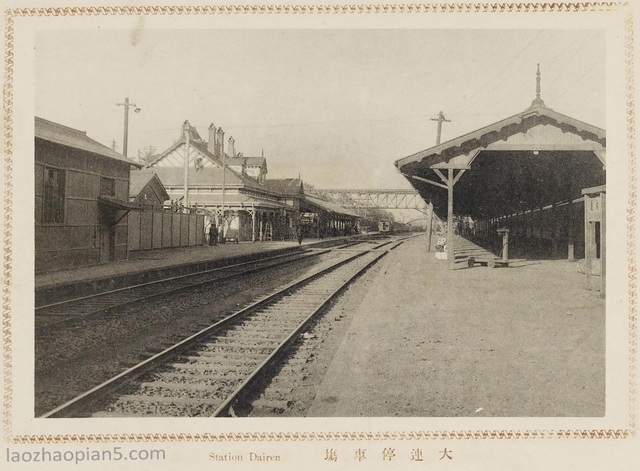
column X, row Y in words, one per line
column 230, row 194
column 251, row 207
column 81, row 199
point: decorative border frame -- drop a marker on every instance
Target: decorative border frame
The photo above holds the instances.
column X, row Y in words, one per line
column 274, row 9
column 314, row 9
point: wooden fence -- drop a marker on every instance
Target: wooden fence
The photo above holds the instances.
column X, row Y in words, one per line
column 150, row 229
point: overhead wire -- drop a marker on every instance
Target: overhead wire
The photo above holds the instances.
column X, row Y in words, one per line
column 565, row 64
column 589, row 70
column 493, row 80
column 483, row 92
column 570, row 50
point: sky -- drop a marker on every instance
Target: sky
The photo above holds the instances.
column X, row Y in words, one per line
column 337, row 107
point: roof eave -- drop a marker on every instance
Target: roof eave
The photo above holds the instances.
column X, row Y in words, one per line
column 436, row 152
column 97, row 154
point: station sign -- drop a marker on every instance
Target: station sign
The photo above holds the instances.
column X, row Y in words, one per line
column 593, row 207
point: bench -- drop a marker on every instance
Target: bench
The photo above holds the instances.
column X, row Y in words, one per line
column 487, row 262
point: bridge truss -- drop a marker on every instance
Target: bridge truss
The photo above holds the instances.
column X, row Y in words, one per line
column 381, row 199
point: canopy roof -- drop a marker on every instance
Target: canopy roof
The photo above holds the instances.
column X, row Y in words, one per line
column 285, row 186
column 313, row 203
column 535, row 158
column 242, row 201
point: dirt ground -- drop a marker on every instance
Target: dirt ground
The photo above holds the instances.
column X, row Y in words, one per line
column 527, row 340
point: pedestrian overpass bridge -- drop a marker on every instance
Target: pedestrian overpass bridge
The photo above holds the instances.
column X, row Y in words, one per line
column 381, row 199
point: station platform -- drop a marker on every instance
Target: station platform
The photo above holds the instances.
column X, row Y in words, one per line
column 148, row 265
column 526, row 340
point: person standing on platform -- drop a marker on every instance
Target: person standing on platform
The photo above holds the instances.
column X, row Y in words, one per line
column 299, row 234
column 213, row 235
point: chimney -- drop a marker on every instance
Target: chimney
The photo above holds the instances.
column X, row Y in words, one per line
column 219, row 143
column 231, row 147
column 211, row 143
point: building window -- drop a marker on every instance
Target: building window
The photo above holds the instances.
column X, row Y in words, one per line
column 54, row 182
column 107, row 186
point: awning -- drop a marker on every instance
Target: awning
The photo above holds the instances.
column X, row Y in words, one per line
column 317, row 203
column 115, row 204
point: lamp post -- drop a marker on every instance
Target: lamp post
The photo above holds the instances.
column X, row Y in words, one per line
column 126, row 105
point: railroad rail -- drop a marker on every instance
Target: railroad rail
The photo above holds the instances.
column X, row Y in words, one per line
column 213, row 372
column 64, row 313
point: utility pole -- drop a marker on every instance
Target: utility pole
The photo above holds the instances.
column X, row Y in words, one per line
column 224, row 175
column 187, row 135
column 440, row 119
column 126, row 105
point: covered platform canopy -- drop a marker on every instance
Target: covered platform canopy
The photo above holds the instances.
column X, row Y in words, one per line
column 531, row 160
column 311, row 203
column 328, row 218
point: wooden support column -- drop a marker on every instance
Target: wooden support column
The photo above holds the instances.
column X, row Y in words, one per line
column 603, row 245
column 253, row 225
column 554, row 231
column 450, row 256
column 541, row 222
column 594, row 215
column 531, row 234
column 570, row 231
column 589, row 248
column 429, row 224
column 505, row 244
column 450, row 180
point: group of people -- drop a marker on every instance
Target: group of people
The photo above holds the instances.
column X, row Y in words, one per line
column 213, row 234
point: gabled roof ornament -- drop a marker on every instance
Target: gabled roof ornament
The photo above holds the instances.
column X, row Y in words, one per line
column 538, row 101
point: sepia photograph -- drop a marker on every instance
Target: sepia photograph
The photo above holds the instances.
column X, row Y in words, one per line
column 174, row 228
column 351, row 233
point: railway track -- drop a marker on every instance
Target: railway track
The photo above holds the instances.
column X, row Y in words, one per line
column 213, row 372
column 62, row 314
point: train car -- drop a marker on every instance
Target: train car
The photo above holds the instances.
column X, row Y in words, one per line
column 385, row 226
